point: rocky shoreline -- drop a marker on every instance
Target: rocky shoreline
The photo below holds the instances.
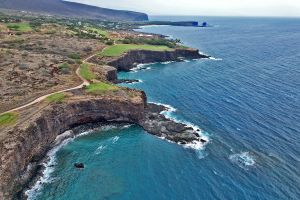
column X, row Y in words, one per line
column 131, row 59
column 28, row 142
column 154, row 123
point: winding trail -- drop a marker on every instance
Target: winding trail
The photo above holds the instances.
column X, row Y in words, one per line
column 84, row 83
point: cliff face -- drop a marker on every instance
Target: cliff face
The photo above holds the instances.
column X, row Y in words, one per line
column 132, row 58
column 23, row 145
column 27, row 143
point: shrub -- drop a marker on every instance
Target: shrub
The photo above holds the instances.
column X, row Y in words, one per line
column 87, row 49
column 79, row 62
column 109, row 42
column 74, row 56
column 64, row 68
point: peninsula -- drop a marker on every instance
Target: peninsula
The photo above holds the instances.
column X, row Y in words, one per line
column 59, row 73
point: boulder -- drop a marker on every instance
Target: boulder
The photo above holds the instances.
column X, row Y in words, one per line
column 79, row 165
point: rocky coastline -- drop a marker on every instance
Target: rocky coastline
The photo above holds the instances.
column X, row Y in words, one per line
column 28, row 142
column 131, row 59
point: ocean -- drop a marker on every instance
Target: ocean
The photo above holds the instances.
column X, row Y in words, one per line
column 246, row 100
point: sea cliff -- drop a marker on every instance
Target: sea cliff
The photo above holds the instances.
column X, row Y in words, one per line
column 27, row 142
column 130, row 59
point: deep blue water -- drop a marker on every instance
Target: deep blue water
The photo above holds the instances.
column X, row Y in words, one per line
column 247, row 101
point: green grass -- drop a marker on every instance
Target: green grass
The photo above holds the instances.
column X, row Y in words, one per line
column 119, row 49
column 22, row 27
column 86, row 72
column 56, row 98
column 74, row 56
column 8, row 119
column 64, row 66
column 101, row 88
column 98, row 31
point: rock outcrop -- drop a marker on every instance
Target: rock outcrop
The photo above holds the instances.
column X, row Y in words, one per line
column 105, row 72
column 132, row 58
column 157, row 124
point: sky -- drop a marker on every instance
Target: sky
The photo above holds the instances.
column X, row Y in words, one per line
column 287, row 8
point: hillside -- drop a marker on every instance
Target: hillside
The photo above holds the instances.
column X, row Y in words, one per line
column 71, row 9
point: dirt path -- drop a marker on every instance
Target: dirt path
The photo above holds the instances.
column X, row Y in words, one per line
column 84, row 83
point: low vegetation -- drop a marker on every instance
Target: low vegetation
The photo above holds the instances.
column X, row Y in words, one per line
column 151, row 41
column 8, row 118
column 101, row 88
column 22, row 27
column 119, row 49
column 14, row 40
column 74, row 56
column 56, row 98
column 86, row 71
column 97, row 31
column 64, row 67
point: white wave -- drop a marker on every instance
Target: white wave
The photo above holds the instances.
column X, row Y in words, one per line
column 49, row 165
column 202, row 53
column 49, row 168
column 107, row 127
column 102, row 146
column 170, row 36
column 126, row 126
column 196, row 145
column 60, row 138
column 141, row 67
column 100, row 149
column 115, row 139
column 212, row 58
column 102, row 128
column 243, row 159
column 166, row 62
column 84, row 133
column 169, row 107
column 169, row 113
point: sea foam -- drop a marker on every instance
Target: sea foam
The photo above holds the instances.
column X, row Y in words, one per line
column 196, row 145
column 212, row 58
column 49, row 168
column 141, row 67
column 50, row 163
column 100, row 149
column 243, row 159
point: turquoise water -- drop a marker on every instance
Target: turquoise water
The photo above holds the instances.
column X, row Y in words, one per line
column 247, row 101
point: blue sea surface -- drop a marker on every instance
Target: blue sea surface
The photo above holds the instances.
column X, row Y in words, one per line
column 247, row 100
